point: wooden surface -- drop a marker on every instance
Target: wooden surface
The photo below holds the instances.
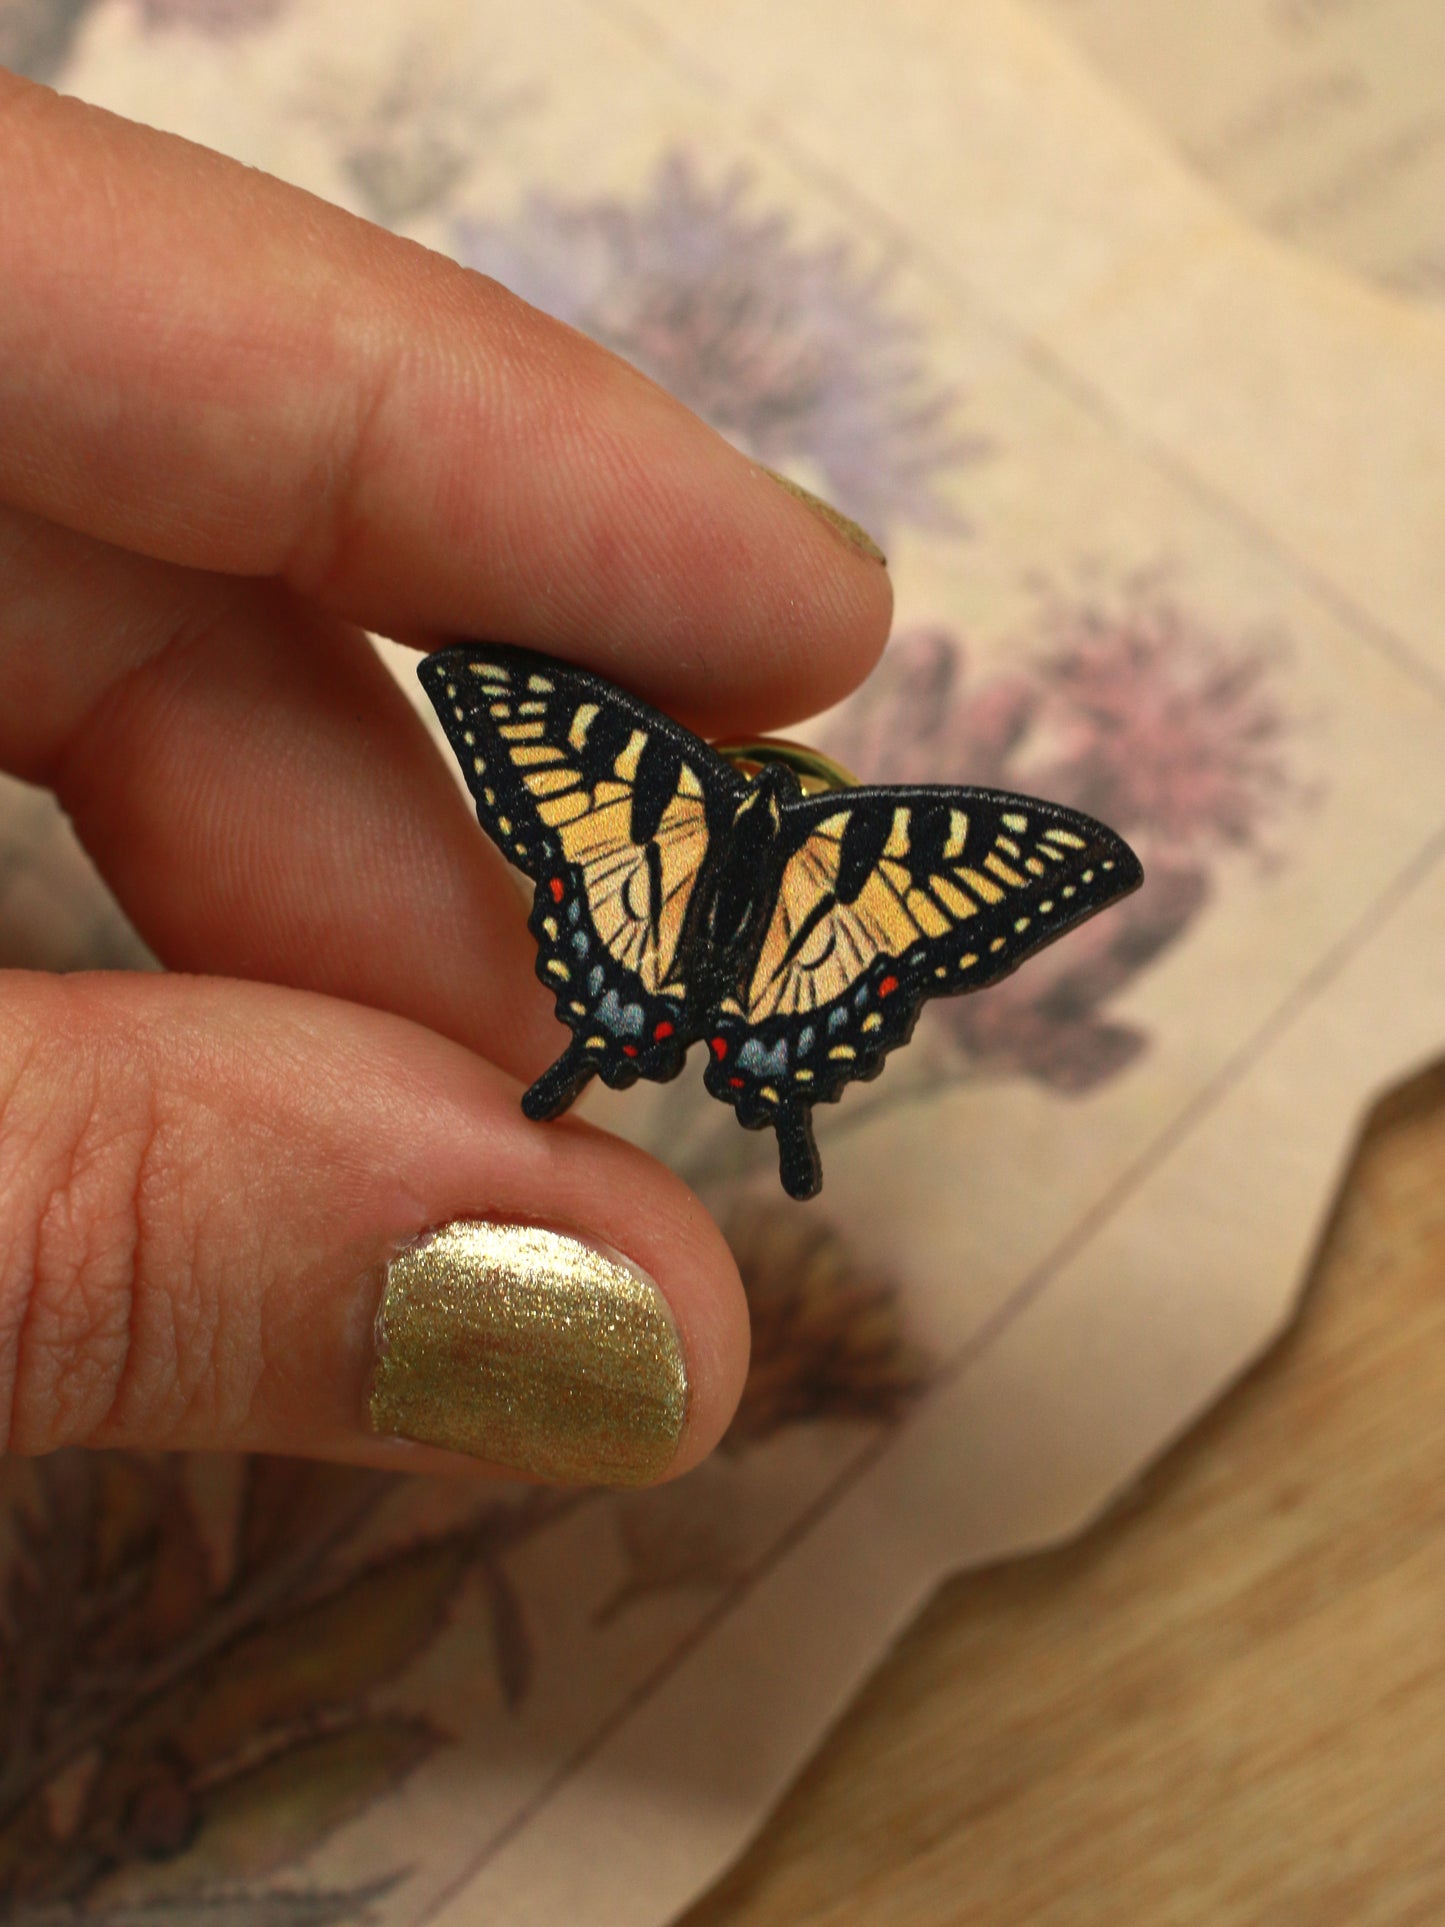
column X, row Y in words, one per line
column 1227, row 1703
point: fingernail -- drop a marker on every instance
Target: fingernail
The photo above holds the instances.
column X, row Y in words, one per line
column 532, row 1350
column 841, row 524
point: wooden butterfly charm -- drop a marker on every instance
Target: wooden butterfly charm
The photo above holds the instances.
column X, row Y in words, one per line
column 678, row 899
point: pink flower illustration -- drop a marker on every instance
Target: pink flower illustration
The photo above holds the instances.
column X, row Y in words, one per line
column 1139, row 714
column 1045, row 1021
column 1160, row 727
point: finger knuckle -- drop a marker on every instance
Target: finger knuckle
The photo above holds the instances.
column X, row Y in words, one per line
column 103, row 1336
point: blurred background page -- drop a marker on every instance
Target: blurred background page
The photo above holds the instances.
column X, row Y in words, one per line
column 1159, row 498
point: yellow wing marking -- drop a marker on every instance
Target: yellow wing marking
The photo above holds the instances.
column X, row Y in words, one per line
column 547, row 782
column 981, row 885
column 558, row 810
column 889, row 914
column 1008, row 867
column 626, row 764
column 926, row 914
column 893, row 910
column 594, row 827
column 581, row 723
column 951, row 897
column 993, row 861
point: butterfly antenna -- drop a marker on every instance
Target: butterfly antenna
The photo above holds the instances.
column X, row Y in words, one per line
column 560, row 1085
column 801, row 1167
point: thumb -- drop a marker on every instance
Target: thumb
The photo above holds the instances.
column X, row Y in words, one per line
column 243, row 1217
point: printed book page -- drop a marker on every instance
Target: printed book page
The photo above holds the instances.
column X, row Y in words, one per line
column 1323, row 120
column 1159, row 506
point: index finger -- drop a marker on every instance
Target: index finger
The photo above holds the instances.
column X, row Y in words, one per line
column 203, row 364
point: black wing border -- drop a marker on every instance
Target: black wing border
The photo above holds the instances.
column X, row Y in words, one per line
column 642, row 1034
column 880, row 1010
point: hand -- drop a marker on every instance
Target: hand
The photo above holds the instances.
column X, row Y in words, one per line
column 237, row 428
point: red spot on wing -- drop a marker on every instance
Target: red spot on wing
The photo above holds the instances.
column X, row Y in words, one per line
column 719, row 1048
column 664, row 1029
column 888, row 986
column 629, row 1050
column 555, row 886
column 736, row 1083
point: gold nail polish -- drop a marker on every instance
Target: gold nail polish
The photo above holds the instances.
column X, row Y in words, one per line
column 532, row 1350
column 841, row 524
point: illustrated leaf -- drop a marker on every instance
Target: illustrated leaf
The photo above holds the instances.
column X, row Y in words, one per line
column 511, row 1642
column 327, row 1654
column 44, row 1587
column 288, row 1501
column 32, row 1860
column 145, row 1529
column 128, row 1499
column 10, row 1663
column 179, row 1580
column 829, row 1338
column 270, row 1907
column 322, row 1658
column 269, row 1816
column 690, row 1535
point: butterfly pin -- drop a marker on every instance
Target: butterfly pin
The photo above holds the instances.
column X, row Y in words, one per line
column 683, row 896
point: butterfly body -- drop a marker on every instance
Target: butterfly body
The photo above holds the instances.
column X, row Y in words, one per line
column 797, row 936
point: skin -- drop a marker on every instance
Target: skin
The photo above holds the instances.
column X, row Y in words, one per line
column 237, row 427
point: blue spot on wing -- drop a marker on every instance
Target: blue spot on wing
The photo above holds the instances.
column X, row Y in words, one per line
column 763, row 1063
column 622, row 1021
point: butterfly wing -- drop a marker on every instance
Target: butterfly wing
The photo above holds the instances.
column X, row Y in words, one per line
column 615, row 812
column 887, row 897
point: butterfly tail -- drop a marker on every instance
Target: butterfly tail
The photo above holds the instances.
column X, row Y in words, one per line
column 559, row 1086
column 800, row 1166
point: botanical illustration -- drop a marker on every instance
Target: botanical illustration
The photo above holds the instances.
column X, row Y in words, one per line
column 790, row 349
column 189, row 1679
column 1117, row 702
column 178, row 1719
column 197, row 1692
column 38, row 36
column 409, row 137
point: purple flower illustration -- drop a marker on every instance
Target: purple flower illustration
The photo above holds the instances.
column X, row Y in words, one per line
column 36, row 35
column 409, row 136
column 788, row 348
column 1137, row 713
column 216, row 17
column 1160, row 727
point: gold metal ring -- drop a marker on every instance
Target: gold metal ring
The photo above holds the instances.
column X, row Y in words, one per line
column 816, row 772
